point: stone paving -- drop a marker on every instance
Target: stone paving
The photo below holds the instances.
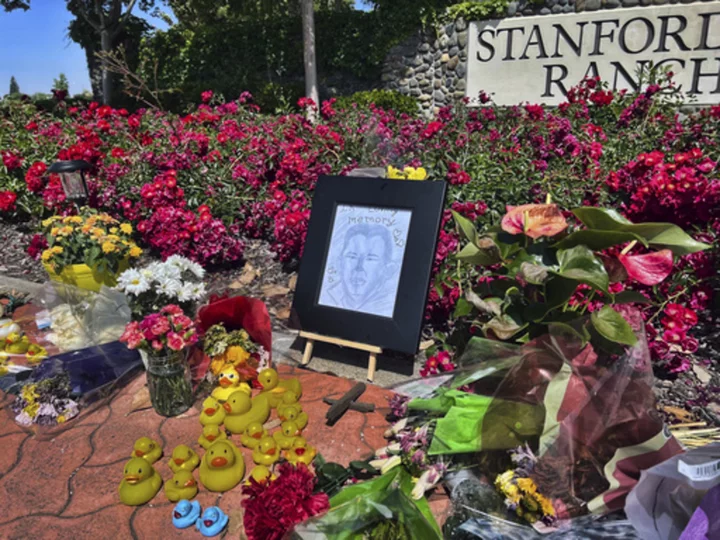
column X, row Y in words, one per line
column 66, row 486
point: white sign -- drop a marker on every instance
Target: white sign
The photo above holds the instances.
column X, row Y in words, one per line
column 538, row 59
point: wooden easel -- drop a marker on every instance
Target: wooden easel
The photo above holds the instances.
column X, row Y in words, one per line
column 312, row 338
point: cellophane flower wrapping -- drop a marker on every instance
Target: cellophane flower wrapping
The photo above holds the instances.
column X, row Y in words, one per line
column 379, row 508
column 578, row 421
column 85, row 364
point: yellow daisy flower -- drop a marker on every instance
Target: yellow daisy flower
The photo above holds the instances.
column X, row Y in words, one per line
column 97, row 232
column 126, row 228
column 54, row 231
column 66, row 230
column 113, row 237
column 113, row 230
column 109, row 247
column 46, row 255
column 76, row 219
column 135, row 251
column 61, row 419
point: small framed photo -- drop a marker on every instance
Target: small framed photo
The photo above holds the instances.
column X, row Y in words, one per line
column 365, row 270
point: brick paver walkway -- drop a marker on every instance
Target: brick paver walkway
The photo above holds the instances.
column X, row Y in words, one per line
column 66, row 487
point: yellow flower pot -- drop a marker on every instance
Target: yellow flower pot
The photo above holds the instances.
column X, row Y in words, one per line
column 84, row 277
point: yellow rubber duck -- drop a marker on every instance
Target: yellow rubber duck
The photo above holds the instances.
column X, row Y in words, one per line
column 184, row 459
column 250, row 438
column 290, row 409
column 266, row 452
column 212, row 412
column 140, row 483
column 242, row 410
column 222, row 467
column 181, row 486
column 285, row 438
column 36, row 354
column 147, row 449
column 229, row 380
column 261, row 474
column 300, row 452
column 16, row 344
column 274, row 387
column 210, row 435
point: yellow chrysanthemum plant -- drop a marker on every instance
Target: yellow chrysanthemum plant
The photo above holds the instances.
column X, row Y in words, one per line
column 408, row 173
column 95, row 239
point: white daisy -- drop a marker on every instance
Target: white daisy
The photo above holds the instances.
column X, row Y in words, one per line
column 169, row 287
column 136, row 283
column 185, row 294
column 168, row 270
column 197, row 290
column 196, row 269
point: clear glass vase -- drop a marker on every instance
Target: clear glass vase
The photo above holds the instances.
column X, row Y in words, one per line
column 169, row 382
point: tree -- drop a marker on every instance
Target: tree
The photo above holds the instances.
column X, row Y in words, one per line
column 107, row 18
column 61, row 83
column 311, row 83
column 14, row 86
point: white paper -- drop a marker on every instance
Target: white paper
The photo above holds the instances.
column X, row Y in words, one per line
column 700, row 472
column 362, row 270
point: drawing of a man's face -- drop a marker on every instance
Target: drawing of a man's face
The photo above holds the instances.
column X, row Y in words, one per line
column 364, row 258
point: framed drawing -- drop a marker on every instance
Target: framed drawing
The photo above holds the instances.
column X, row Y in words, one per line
column 365, row 270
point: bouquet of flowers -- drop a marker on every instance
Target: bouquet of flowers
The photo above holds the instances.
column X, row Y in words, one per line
column 177, row 280
column 165, row 338
column 95, row 239
column 161, row 333
column 46, row 403
column 234, row 348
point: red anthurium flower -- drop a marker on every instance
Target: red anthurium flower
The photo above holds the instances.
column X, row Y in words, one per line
column 648, row 269
column 534, row 220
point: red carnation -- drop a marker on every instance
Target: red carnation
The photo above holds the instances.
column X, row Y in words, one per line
column 7, row 201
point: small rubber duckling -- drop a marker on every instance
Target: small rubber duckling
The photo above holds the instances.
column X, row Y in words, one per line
column 184, row 459
column 212, row 522
column 243, row 411
column 181, row 486
column 148, row 449
column 140, row 483
column 186, row 514
column 212, row 413
column 222, row 467
column 260, row 474
column 266, row 452
column 274, row 387
column 290, row 409
column 16, row 344
column 229, row 380
column 252, row 435
column 35, row 354
column 287, row 434
column 211, row 434
column 300, row 452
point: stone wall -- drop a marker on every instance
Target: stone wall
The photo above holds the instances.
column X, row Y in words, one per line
column 431, row 66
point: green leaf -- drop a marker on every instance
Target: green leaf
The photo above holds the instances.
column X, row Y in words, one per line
column 491, row 305
column 581, row 264
column 604, row 219
column 558, row 291
column 630, row 297
column 462, row 308
column 564, row 329
column 466, row 227
column 612, row 326
column 503, row 326
column 660, row 235
column 474, row 255
column 597, row 240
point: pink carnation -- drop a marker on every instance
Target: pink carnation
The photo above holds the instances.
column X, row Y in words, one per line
column 175, row 341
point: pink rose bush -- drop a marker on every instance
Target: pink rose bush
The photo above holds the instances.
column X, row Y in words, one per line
column 160, row 333
column 199, row 184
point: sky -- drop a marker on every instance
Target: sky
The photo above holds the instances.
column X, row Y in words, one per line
column 35, row 48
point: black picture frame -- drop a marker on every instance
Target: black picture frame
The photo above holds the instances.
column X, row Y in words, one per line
column 401, row 332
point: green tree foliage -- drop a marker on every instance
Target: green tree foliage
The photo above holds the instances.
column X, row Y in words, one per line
column 14, row 86
column 61, row 83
